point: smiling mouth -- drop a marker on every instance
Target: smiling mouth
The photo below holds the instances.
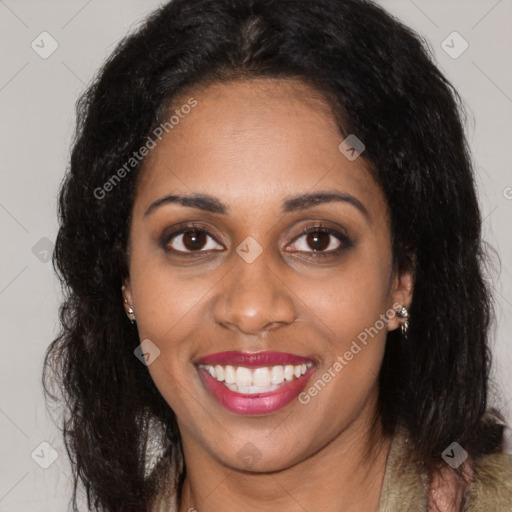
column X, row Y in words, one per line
column 249, row 381
column 254, row 383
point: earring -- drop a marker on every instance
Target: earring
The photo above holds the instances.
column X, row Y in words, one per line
column 403, row 313
column 130, row 313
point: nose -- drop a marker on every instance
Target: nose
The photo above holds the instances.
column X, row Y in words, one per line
column 254, row 299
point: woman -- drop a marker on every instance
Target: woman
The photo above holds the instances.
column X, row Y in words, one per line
column 271, row 246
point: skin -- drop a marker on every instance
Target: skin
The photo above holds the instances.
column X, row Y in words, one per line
column 254, row 144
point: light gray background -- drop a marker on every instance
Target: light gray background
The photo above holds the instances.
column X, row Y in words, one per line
column 37, row 98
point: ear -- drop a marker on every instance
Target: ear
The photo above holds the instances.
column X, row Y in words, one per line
column 401, row 294
column 126, row 290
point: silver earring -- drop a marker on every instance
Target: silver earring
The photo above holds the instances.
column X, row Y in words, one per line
column 130, row 313
column 403, row 313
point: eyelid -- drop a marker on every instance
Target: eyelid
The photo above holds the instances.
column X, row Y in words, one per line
column 319, row 227
column 166, row 238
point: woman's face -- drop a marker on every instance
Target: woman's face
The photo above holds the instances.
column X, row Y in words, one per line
column 280, row 268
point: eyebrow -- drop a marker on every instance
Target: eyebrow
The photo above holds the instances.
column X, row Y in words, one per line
column 199, row 201
column 300, row 202
column 304, row 201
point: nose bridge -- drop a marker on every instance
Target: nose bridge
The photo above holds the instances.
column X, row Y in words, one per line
column 254, row 298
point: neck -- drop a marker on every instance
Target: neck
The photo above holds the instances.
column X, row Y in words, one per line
column 345, row 474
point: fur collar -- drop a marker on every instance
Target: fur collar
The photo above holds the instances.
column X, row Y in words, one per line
column 406, row 486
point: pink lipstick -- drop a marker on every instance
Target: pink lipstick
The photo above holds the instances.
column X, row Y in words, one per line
column 254, row 383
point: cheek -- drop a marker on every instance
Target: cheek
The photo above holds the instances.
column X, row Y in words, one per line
column 352, row 318
column 353, row 297
column 355, row 326
column 351, row 310
column 169, row 310
column 168, row 314
column 166, row 301
column 339, row 392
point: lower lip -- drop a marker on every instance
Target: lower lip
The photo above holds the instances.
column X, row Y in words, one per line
column 259, row 403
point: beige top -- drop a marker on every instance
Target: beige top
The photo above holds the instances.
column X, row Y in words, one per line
column 406, row 487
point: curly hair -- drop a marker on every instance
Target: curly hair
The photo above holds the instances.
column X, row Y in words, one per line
column 382, row 82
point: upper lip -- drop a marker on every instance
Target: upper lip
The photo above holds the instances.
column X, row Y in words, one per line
column 253, row 359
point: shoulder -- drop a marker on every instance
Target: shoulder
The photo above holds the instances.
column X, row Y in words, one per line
column 491, row 488
column 408, row 488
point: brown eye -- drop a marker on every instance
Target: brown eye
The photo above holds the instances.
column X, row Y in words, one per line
column 189, row 240
column 194, row 240
column 318, row 240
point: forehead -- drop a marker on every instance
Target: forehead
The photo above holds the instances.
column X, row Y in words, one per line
column 252, row 142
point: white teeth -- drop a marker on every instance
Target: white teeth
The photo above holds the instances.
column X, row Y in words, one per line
column 220, row 373
column 229, row 375
column 243, row 376
column 277, row 375
column 252, row 390
column 289, row 371
column 261, row 377
column 258, row 380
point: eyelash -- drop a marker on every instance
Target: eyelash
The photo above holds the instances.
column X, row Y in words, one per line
column 345, row 242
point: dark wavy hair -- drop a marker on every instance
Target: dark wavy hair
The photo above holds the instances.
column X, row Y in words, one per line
column 381, row 81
